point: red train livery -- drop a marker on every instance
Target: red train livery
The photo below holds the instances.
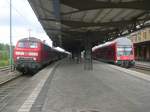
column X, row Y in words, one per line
column 119, row 51
column 30, row 54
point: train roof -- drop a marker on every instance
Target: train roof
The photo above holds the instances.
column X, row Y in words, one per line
column 123, row 41
column 119, row 41
column 31, row 39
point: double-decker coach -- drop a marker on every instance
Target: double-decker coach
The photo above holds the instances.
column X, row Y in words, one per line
column 119, row 51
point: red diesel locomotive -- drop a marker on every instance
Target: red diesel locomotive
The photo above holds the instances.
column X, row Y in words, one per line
column 119, row 51
column 30, row 54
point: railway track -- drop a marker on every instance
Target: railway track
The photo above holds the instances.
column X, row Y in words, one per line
column 16, row 89
column 8, row 79
column 10, row 90
column 4, row 68
column 7, row 76
column 142, row 67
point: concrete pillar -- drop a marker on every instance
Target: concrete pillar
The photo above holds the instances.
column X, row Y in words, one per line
column 135, row 52
column 144, row 53
column 141, row 53
column 56, row 8
column 148, row 53
column 78, row 56
column 88, row 65
column 138, row 52
column 73, row 55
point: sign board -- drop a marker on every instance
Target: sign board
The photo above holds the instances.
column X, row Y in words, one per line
column 140, row 36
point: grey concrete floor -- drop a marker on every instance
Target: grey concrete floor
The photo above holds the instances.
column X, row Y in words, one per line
column 102, row 90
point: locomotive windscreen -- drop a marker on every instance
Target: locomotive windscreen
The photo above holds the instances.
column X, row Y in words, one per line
column 27, row 44
column 124, row 46
column 124, row 50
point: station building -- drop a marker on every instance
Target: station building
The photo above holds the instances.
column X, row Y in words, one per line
column 141, row 40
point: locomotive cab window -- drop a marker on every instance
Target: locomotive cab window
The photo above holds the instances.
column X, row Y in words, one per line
column 22, row 45
column 33, row 45
column 26, row 44
column 124, row 51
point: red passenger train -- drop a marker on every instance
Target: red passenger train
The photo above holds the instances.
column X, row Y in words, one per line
column 30, row 54
column 119, row 51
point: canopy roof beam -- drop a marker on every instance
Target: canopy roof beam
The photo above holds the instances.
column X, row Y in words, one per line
column 93, row 5
column 79, row 24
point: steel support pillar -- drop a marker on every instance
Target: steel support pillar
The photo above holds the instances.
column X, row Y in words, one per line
column 10, row 46
column 88, row 65
column 56, row 7
column 79, row 56
column 57, row 17
column 73, row 55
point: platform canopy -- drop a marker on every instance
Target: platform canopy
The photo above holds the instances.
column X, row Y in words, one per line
column 69, row 22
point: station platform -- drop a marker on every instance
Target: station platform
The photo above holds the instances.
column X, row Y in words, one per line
column 66, row 87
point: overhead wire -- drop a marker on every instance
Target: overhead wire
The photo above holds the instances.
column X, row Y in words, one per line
column 24, row 18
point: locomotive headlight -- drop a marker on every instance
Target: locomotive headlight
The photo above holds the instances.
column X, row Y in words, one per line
column 34, row 59
column 33, row 54
column 19, row 53
column 118, row 58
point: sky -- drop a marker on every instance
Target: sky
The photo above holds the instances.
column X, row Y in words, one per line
column 23, row 20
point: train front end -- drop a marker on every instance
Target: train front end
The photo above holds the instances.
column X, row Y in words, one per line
column 27, row 55
column 125, row 53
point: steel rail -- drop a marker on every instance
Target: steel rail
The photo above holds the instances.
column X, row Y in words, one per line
column 5, row 68
column 142, row 67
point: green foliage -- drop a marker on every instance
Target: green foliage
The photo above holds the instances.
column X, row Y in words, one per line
column 4, row 63
column 4, row 46
column 4, row 54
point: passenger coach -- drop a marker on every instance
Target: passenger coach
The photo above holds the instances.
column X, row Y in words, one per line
column 119, row 51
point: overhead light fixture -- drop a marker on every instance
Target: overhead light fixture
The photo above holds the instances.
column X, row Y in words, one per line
column 138, row 26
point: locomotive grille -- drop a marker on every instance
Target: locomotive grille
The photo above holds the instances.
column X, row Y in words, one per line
column 26, row 59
